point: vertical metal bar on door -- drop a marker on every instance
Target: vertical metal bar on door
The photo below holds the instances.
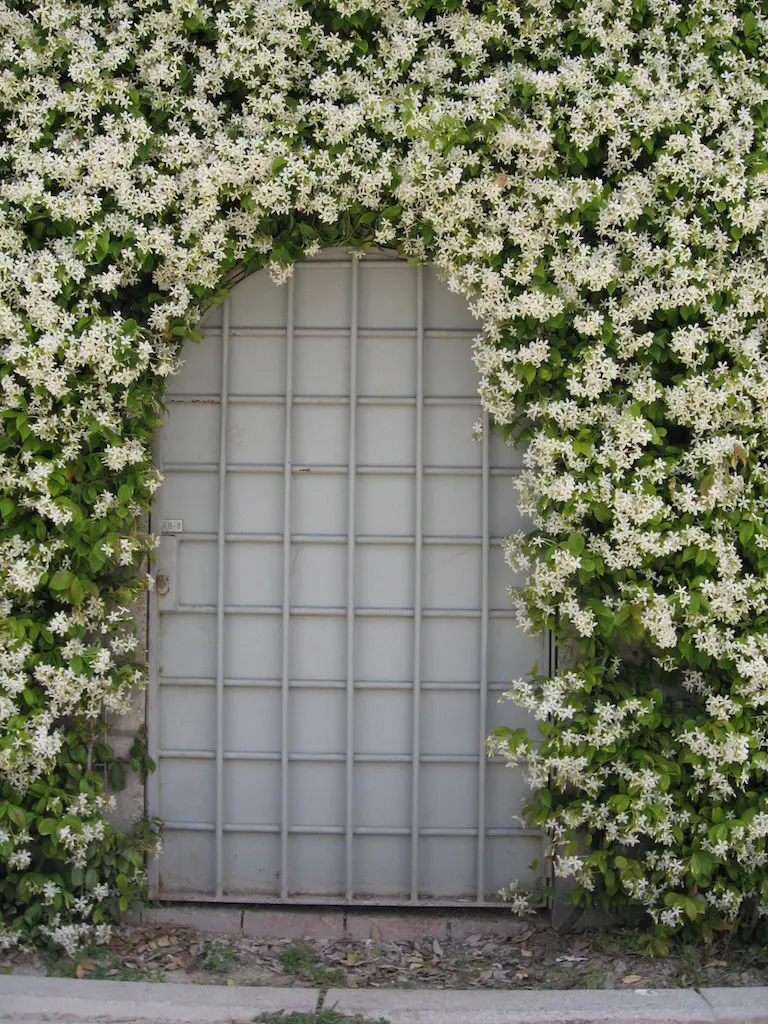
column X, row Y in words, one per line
column 484, row 598
column 351, row 479
column 153, row 697
column 220, row 580
column 286, row 612
column 417, row 601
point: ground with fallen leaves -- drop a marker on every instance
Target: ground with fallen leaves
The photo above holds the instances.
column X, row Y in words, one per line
column 528, row 957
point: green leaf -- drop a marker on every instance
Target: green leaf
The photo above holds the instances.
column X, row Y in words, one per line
column 702, row 865
column 16, row 815
column 746, row 531
column 601, row 513
column 33, row 913
column 96, row 558
column 694, row 906
column 102, row 246
column 576, row 543
column 61, row 580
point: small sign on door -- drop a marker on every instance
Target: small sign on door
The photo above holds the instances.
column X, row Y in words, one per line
column 172, row 526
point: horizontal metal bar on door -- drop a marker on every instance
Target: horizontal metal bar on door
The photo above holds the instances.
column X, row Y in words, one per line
column 328, row 684
column 467, row 334
column 335, row 469
column 338, row 830
column 322, row 758
column 340, row 612
column 325, row 400
column 343, row 333
column 366, row 261
column 298, row 611
column 373, row 470
column 336, row 538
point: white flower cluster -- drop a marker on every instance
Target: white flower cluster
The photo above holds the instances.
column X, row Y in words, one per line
column 592, row 178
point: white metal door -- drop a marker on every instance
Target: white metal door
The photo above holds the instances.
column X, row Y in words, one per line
column 332, row 628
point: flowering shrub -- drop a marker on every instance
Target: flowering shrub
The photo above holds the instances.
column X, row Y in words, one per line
column 592, row 176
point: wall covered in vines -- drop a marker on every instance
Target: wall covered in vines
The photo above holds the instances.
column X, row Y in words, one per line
column 592, row 175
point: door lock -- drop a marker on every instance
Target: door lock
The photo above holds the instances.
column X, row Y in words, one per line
column 162, row 584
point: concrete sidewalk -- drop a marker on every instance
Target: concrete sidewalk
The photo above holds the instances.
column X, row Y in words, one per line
column 25, row 999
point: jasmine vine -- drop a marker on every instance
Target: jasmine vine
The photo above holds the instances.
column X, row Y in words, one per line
column 593, row 177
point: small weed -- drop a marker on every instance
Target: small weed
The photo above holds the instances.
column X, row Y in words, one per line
column 321, row 1017
column 468, row 967
column 631, row 939
column 217, row 957
column 594, row 977
column 327, row 977
column 301, row 960
column 556, row 978
column 128, row 974
column 156, row 976
column 691, row 960
column 59, row 966
column 298, row 958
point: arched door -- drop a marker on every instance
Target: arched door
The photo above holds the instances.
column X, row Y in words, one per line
column 331, row 628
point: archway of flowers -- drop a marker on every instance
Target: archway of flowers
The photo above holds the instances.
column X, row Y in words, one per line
column 593, row 178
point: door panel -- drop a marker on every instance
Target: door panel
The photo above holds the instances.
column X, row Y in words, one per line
column 320, row 693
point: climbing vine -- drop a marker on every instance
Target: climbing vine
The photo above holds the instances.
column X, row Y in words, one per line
column 593, row 177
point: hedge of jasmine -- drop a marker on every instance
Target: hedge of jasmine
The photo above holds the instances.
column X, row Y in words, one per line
column 592, row 176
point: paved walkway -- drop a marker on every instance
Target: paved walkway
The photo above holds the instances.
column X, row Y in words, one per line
column 25, row 999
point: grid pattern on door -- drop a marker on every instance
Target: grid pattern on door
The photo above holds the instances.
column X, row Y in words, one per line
column 335, row 632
